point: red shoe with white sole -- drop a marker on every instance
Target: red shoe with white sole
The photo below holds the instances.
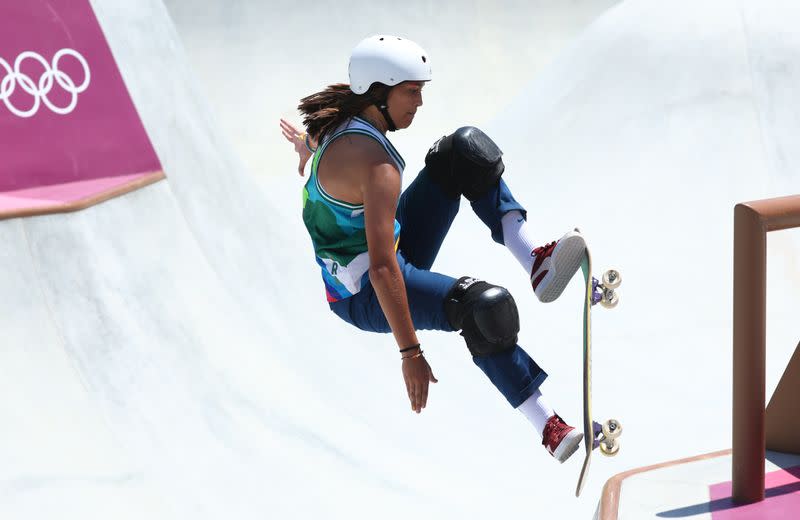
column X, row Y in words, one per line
column 555, row 264
column 560, row 439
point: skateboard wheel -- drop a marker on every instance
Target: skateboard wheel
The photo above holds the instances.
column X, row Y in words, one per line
column 612, row 279
column 610, row 299
column 612, row 429
column 609, row 448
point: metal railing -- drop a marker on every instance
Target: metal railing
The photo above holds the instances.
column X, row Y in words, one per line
column 752, row 222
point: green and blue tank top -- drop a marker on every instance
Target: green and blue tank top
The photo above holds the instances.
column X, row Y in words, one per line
column 337, row 227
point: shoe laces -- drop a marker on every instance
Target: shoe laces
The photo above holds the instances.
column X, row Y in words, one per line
column 545, row 249
column 553, row 427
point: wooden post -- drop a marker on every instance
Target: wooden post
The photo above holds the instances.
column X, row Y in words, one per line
column 749, row 354
column 752, row 222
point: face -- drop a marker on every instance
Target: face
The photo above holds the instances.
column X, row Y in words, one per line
column 404, row 100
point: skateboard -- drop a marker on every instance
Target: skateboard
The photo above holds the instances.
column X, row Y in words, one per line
column 595, row 434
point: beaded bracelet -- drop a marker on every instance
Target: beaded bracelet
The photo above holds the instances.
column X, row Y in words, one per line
column 418, row 354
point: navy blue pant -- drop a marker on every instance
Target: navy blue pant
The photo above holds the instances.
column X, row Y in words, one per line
column 425, row 215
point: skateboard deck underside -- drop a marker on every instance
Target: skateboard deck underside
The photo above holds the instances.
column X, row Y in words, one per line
column 588, row 433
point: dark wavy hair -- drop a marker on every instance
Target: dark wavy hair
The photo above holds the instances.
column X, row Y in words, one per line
column 324, row 111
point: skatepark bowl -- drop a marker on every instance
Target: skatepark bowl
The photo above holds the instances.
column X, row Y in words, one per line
column 167, row 350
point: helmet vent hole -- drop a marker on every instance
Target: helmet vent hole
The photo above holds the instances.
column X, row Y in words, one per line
column 381, row 39
column 424, row 59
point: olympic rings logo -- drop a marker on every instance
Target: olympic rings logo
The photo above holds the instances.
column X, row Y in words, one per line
column 12, row 78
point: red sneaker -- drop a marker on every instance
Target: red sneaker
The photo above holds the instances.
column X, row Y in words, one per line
column 560, row 439
column 555, row 264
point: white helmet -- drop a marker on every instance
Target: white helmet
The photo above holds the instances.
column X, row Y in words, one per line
column 389, row 60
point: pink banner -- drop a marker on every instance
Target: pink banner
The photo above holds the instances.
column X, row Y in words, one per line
column 68, row 129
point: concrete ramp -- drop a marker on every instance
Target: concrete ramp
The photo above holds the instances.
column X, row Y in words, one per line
column 138, row 367
column 700, row 488
column 168, row 352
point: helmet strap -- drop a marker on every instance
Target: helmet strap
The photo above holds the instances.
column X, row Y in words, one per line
column 385, row 112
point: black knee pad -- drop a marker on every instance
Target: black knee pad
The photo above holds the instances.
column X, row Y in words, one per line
column 465, row 162
column 486, row 314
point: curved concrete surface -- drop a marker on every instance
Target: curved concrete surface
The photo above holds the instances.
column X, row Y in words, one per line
column 169, row 352
column 256, row 59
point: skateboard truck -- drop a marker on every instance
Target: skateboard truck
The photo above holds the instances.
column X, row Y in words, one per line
column 605, row 436
column 604, row 292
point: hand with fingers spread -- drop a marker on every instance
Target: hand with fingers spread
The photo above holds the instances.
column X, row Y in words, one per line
column 417, row 374
column 303, row 143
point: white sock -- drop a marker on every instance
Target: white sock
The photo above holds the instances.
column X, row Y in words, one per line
column 517, row 238
column 536, row 409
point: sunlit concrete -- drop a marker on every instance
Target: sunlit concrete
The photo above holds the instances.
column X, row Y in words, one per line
column 170, row 353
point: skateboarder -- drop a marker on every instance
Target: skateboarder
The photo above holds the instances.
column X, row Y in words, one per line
column 376, row 246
